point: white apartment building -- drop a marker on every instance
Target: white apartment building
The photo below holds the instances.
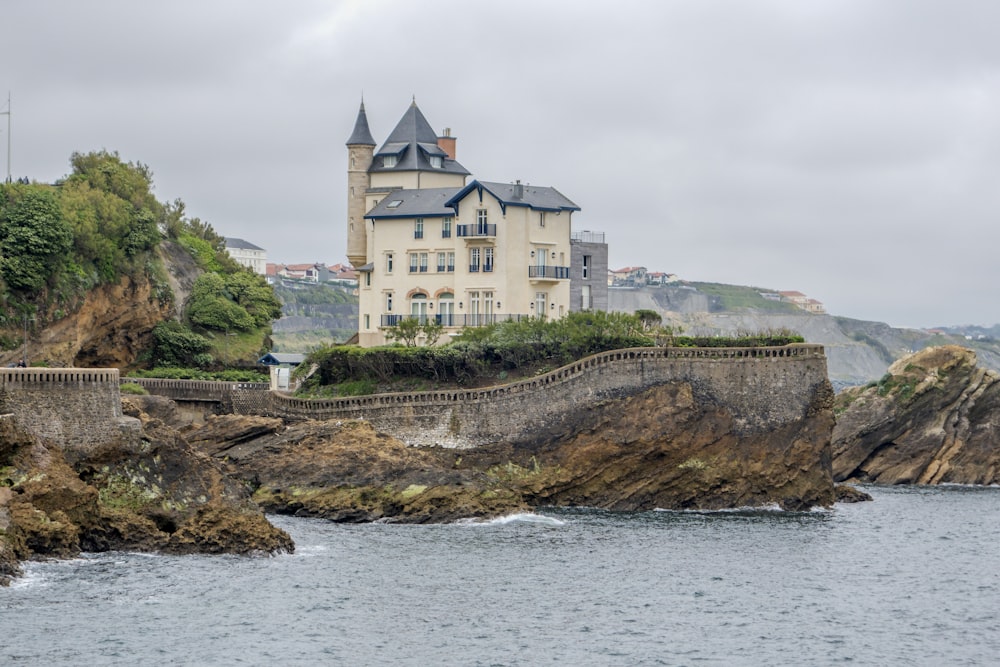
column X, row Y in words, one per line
column 249, row 255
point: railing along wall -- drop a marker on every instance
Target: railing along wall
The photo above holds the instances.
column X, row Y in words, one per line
column 15, row 376
column 324, row 406
column 466, row 417
column 197, row 390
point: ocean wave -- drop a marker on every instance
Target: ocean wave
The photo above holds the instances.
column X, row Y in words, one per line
column 519, row 517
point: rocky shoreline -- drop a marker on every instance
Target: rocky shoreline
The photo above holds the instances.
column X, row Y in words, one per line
column 157, row 494
column 204, row 488
column 661, row 448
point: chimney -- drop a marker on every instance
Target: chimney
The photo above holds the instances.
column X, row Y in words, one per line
column 518, row 190
column 447, row 143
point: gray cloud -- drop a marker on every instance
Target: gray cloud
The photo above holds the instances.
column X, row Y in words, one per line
column 847, row 149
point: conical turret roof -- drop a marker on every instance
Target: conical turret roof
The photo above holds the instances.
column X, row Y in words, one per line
column 361, row 136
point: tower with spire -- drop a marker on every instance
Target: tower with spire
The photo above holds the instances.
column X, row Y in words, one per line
column 360, row 149
column 414, row 157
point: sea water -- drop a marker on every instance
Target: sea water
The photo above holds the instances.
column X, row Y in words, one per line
column 910, row 579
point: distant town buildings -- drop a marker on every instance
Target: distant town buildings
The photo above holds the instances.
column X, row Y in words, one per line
column 636, row 276
column 249, row 255
column 336, row 274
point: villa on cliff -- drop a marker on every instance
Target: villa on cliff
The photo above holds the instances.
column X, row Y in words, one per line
column 430, row 244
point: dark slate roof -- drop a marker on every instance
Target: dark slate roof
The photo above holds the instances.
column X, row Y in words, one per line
column 240, row 244
column 279, row 358
column 414, row 141
column 424, row 203
column 361, row 136
column 516, row 194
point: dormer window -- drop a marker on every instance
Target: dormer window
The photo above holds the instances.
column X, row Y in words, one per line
column 389, row 161
column 436, row 161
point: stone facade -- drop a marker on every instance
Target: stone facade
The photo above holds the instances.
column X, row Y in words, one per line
column 588, row 277
column 77, row 409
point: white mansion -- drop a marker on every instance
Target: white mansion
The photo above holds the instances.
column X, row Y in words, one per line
column 428, row 244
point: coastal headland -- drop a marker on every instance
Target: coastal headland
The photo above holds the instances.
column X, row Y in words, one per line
column 630, row 429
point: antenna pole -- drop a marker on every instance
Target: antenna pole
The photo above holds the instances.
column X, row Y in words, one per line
column 7, row 113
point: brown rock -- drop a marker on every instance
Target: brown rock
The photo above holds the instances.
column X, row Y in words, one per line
column 849, row 494
column 157, row 494
column 659, row 449
column 933, row 418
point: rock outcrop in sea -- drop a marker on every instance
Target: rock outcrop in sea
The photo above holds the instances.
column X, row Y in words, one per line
column 934, row 418
column 157, row 494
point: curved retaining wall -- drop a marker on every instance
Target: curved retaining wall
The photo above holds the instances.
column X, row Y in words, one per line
column 761, row 387
column 78, row 409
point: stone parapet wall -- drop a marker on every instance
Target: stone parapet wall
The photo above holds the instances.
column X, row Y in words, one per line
column 762, row 387
column 77, row 409
column 208, row 391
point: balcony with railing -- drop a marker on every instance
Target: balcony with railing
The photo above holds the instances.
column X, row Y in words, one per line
column 476, row 231
column 460, row 320
column 587, row 237
column 548, row 272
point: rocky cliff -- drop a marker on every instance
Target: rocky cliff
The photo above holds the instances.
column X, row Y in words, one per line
column 659, row 448
column 113, row 325
column 157, row 494
column 933, row 418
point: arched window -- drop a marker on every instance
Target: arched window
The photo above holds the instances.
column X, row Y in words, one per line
column 418, row 306
column 446, row 309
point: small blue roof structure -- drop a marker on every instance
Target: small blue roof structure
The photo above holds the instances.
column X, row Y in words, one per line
column 282, row 359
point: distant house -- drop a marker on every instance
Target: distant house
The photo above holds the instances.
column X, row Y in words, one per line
column 343, row 272
column 630, row 276
column 814, row 306
column 660, row 278
column 247, row 254
column 314, row 273
column 802, row 301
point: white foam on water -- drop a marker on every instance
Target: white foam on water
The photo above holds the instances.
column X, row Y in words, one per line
column 520, row 517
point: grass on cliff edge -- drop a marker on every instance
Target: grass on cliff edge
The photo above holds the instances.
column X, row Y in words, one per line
column 498, row 354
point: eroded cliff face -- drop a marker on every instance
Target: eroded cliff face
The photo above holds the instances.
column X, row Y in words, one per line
column 114, row 323
column 934, row 418
column 660, row 448
column 155, row 494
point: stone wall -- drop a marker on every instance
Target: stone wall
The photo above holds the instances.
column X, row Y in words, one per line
column 76, row 409
column 762, row 387
column 597, row 278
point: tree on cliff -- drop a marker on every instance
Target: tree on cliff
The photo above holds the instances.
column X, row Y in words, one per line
column 113, row 212
column 101, row 225
column 34, row 237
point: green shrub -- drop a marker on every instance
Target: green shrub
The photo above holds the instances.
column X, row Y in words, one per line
column 175, row 345
column 177, row 373
column 356, row 388
column 133, row 388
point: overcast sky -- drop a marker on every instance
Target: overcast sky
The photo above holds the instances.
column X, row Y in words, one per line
column 848, row 149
